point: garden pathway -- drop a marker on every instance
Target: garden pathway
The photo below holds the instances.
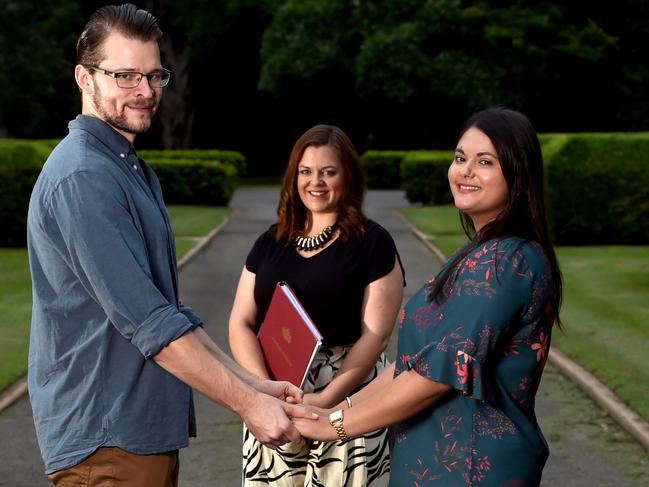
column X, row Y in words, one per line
column 587, row 447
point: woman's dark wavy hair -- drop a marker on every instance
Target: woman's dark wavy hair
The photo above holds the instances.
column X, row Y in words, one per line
column 519, row 152
column 125, row 19
column 293, row 217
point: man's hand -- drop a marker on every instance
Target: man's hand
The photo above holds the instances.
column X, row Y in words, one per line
column 282, row 390
column 268, row 419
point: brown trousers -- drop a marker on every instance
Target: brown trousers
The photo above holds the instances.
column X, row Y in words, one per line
column 114, row 467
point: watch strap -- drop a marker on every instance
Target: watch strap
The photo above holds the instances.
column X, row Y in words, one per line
column 340, row 429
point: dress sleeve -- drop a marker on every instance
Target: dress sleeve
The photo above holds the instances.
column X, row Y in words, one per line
column 490, row 294
column 379, row 252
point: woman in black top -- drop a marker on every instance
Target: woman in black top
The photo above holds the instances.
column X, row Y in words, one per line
column 350, row 281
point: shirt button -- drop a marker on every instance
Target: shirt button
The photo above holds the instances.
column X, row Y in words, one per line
column 135, row 166
column 122, row 156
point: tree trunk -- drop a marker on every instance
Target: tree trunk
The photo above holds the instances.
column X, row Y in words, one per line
column 176, row 115
column 3, row 128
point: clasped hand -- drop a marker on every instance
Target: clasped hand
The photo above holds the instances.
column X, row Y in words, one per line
column 319, row 429
column 270, row 418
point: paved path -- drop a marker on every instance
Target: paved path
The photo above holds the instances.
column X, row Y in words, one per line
column 587, row 448
column 210, row 281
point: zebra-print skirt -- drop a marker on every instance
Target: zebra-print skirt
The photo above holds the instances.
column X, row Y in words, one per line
column 360, row 462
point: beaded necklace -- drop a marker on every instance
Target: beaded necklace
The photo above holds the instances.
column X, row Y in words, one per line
column 318, row 241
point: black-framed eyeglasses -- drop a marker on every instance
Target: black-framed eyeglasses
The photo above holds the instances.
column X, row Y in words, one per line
column 131, row 79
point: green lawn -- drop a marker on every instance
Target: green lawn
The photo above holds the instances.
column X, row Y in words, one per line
column 606, row 316
column 15, row 313
column 605, row 311
column 190, row 222
column 15, row 289
column 442, row 223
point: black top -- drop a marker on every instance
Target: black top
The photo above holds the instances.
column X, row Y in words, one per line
column 330, row 284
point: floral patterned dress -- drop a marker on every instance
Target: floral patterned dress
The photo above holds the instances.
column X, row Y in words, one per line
column 488, row 338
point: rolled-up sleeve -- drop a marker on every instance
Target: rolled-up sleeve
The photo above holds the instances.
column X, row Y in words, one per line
column 91, row 216
column 189, row 313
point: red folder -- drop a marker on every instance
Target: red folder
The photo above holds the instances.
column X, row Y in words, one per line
column 288, row 337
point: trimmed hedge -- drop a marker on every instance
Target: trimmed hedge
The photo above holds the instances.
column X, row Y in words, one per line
column 598, row 184
column 424, row 176
column 551, row 144
column 382, row 168
column 195, row 182
column 200, row 155
column 20, row 164
column 196, row 176
column 598, row 189
column 202, row 177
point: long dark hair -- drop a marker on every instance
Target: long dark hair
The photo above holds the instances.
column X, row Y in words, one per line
column 524, row 216
column 292, row 215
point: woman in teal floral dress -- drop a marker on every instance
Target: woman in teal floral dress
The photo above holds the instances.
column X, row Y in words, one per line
column 474, row 340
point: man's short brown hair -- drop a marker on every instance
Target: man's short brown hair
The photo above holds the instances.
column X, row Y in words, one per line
column 125, row 19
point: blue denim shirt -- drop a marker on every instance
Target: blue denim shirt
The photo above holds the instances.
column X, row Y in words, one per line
column 105, row 300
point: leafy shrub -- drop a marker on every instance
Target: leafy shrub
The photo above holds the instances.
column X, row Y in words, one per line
column 20, row 164
column 195, row 182
column 200, row 155
column 202, row 177
column 597, row 189
column 382, row 168
column 551, row 144
column 424, row 176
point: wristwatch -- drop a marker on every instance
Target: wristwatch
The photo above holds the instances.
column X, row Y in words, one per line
column 336, row 420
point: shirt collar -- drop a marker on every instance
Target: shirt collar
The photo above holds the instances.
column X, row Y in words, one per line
column 110, row 137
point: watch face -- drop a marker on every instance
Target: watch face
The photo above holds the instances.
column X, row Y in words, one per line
column 336, row 416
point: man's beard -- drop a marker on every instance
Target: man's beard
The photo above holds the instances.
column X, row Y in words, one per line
column 119, row 121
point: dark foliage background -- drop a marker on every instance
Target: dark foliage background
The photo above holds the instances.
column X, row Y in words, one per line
column 395, row 74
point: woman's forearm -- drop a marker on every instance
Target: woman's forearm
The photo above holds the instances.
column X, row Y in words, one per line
column 247, row 352
column 373, row 388
column 241, row 335
column 381, row 303
column 403, row 397
column 357, row 365
column 384, row 404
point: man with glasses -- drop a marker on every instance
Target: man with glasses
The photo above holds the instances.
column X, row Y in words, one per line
column 113, row 352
